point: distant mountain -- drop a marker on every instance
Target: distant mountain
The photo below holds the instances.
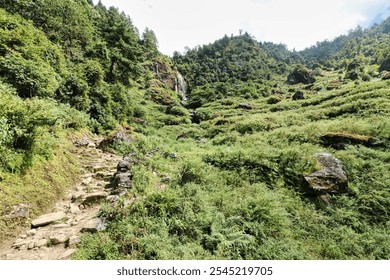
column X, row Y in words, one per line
column 380, row 17
column 371, row 43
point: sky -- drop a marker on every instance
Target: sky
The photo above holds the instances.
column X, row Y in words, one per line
column 297, row 23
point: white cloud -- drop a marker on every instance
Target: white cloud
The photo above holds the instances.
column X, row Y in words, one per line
column 298, row 23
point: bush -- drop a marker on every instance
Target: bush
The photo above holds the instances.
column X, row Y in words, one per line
column 178, row 111
column 28, row 61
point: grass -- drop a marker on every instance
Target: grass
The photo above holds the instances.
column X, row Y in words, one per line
column 36, row 165
column 234, row 188
column 39, row 187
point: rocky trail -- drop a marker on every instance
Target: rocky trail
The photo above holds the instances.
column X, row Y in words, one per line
column 54, row 235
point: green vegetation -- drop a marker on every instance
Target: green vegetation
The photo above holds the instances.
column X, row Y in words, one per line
column 218, row 178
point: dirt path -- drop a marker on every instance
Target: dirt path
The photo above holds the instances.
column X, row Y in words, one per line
column 54, row 236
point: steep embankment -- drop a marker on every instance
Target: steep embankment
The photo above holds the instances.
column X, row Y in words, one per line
column 55, row 234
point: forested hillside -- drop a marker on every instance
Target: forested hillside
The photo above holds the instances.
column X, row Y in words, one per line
column 228, row 140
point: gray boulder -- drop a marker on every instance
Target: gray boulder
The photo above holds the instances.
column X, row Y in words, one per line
column 331, row 178
column 117, row 137
column 122, row 180
column 19, row 211
column 47, row 219
column 123, row 166
column 94, row 225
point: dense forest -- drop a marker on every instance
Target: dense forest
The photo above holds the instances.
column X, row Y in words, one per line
column 224, row 135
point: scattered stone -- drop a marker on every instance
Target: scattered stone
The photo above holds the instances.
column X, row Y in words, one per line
column 165, row 179
column 172, row 155
column 19, row 211
column 73, row 240
column 41, row 243
column 112, row 198
column 19, row 243
column 330, row 179
column 94, row 197
column 67, row 254
column 123, row 166
column 91, row 145
column 73, row 209
column 44, row 220
column 32, row 232
column 94, row 225
column 244, row 106
column 31, row 246
column 58, row 239
column 62, row 225
column 325, row 200
column 77, row 196
column 87, row 181
column 83, row 142
column 98, row 168
column 128, row 202
column 103, row 175
column 24, row 236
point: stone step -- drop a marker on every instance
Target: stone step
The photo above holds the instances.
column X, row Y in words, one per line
column 95, row 197
column 47, row 219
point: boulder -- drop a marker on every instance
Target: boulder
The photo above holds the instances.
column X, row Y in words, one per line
column 119, row 192
column 58, row 239
column 19, row 211
column 298, row 95
column 331, row 178
column 94, row 225
column 73, row 240
column 123, row 166
column 44, row 220
column 122, row 180
column 87, row 181
column 40, row 243
column 300, row 75
column 82, row 142
column 112, row 198
column 118, row 137
column 67, row 254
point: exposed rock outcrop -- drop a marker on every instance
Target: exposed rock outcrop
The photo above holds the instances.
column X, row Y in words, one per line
column 118, row 137
column 340, row 140
column 44, row 220
column 301, row 75
column 330, row 179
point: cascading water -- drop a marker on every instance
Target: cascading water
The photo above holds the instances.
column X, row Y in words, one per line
column 181, row 87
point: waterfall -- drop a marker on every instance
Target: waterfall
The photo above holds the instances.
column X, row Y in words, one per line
column 181, row 87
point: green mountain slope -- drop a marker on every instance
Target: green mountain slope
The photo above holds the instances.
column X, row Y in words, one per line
column 219, row 177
